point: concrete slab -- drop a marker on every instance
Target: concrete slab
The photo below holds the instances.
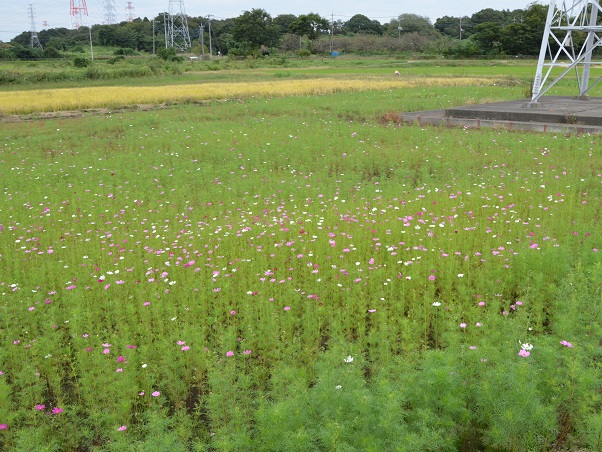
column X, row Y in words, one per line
column 550, row 114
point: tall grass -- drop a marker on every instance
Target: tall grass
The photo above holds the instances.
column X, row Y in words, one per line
column 285, row 273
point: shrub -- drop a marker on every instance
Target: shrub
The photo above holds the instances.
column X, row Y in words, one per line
column 51, row 52
column 81, row 62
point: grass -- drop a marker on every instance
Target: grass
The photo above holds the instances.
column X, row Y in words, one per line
column 297, row 272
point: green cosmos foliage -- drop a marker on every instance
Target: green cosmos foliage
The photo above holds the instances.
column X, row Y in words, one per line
column 202, row 276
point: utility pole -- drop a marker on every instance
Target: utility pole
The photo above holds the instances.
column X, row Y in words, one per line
column 91, row 49
column 331, row 30
column 202, row 42
column 210, row 49
column 35, row 41
column 154, row 36
column 460, row 28
column 165, row 29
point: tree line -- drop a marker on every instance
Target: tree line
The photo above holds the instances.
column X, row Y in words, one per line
column 486, row 32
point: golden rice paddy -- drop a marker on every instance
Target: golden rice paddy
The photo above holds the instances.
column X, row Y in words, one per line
column 47, row 100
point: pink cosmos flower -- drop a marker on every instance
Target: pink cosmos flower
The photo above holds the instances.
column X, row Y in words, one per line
column 40, row 407
column 119, row 370
column 185, row 348
column 524, row 353
column 287, row 308
column 156, row 394
column 462, row 325
column 122, row 428
column 230, row 353
column 566, row 344
column 120, row 359
column 3, row 426
column 180, row 342
column 432, row 277
column 57, row 410
column 246, row 352
column 233, row 312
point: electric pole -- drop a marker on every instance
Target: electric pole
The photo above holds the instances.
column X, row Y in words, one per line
column 210, row 49
column 202, row 42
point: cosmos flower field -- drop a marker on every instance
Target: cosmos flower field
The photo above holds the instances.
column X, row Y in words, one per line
column 298, row 273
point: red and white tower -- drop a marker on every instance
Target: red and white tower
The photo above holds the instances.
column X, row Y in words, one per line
column 130, row 9
column 78, row 10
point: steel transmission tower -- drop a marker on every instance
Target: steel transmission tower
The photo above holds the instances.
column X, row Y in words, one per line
column 562, row 54
column 110, row 14
column 130, row 8
column 78, row 9
column 34, row 42
column 177, row 34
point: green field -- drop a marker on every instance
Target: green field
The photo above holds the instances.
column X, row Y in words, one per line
column 300, row 273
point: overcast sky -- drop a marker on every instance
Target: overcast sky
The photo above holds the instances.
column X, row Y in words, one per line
column 15, row 16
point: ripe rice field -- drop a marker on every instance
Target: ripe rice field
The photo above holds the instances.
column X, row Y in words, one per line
column 285, row 267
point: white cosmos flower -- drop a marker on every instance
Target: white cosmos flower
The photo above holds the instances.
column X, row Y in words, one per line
column 349, row 359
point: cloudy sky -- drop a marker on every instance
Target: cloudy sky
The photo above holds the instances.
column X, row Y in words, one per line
column 15, row 14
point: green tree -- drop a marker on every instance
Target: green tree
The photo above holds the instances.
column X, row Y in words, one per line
column 310, row 25
column 451, row 26
column 487, row 34
column 257, row 28
column 489, row 15
column 284, row 21
column 362, row 24
column 412, row 23
column 524, row 37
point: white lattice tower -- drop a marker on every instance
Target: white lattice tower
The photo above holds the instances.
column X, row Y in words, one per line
column 178, row 35
column 35, row 41
column 110, row 12
column 558, row 52
column 78, row 9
